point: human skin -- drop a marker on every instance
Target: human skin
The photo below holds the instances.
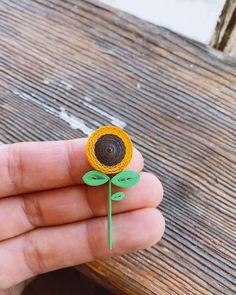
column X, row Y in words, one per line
column 50, row 219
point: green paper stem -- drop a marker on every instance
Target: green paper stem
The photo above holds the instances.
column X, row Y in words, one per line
column 109, row 216
column 124, row 179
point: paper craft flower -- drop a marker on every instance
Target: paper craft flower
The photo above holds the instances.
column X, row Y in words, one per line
column 109, row 150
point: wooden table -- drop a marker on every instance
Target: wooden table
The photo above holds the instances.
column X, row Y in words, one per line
column 70, row 66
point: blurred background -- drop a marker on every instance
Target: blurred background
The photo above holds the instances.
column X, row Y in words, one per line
column 211, row 22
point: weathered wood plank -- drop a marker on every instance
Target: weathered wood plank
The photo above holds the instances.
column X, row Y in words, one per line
column 70, row 66
column 225, row 35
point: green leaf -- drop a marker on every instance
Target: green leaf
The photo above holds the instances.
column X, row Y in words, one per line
column 126, row 178
column 118, row 196
column 94, row 178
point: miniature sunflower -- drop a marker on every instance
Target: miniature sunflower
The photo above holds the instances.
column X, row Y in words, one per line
column 109, row 149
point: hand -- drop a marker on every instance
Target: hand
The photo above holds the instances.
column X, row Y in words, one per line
column 49, row 219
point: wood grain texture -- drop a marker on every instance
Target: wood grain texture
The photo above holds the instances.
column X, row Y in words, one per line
column 77, row 64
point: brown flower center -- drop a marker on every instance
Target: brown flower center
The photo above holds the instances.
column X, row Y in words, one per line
column 109, row 150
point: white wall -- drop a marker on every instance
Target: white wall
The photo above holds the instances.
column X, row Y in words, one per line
column 192, row 18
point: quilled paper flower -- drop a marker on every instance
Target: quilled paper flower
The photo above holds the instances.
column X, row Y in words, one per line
column 109, row 150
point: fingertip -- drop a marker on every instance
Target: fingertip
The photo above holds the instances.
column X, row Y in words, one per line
column 151, row 226
column 137, row 162
column 153, row 184
column 158, row 226
column 137, row 230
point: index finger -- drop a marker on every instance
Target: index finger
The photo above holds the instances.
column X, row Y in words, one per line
column 34, row 166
